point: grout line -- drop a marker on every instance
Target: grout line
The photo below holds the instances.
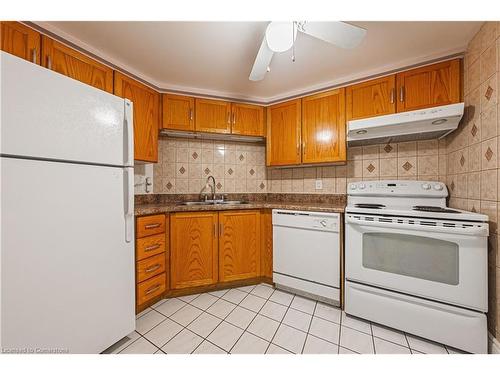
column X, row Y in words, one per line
column 309, row 327
column 281, row 322
column 373, row 340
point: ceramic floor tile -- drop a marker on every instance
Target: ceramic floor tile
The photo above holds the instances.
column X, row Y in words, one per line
column 188, row 298
column 183, row 343
column 455, row 351
column 204, row 301
column 289, row 338
column 355, row 340
column 219, row 293
column 140, row 346
column 143, row 312
column 324, row 329
column 246, row 289
column 225, row 336
column 240, row 317
column 163, row 332
column 250, row 344
column 122, row 344
column 275, row 349
column 387, row 347
column 425, row 346
column 160, row 302
column 170, row 306
column 263, row 291
column 389, row 334
column 303, row 304
column 252, row 302
column 328, row 312
column 234, row 295
column 346, row 351
column 281, row 297
column 204, row 324
column 186, row 315
column 148, row 321
column 316, row 345
column 263, row 327
column 273, row 310
column 413, row 351
column 206, row 347
column 356, row 323
column 297, row 319
column 221, row 308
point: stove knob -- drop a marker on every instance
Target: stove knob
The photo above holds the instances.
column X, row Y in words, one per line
column 352, row 187
column 426, row 186
column 362, row 186
column 438, row 187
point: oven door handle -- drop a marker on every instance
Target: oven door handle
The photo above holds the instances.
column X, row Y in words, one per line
column 480, row 230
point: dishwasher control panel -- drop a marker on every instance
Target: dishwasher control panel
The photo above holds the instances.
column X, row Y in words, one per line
column 323, row 221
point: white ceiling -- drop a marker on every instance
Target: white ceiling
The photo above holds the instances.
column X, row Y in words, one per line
column 215, row 58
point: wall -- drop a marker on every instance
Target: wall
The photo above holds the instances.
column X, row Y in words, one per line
column 473, row 150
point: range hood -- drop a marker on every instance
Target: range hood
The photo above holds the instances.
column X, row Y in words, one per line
column 422, row 124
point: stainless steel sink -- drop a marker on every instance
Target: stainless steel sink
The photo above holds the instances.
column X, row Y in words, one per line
column 209, row 202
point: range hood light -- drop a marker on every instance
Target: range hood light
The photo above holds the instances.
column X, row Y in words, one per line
column 361, row 132
column 439, row 122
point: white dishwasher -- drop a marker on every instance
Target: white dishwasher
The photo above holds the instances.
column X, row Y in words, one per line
column 306, row 253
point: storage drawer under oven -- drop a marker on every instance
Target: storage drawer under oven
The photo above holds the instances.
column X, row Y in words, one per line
column 150, row 267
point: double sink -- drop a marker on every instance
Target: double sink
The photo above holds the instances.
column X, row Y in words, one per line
column 210, row 202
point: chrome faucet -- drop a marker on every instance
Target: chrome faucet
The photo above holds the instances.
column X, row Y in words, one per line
column 212, row 187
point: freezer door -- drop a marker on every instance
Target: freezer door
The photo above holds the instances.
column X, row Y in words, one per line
column 67, row 270
column 50, row 116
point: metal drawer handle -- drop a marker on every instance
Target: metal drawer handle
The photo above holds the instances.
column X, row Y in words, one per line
column 153, row 289
column 49, row 63
column 402, row 94
column 191, row 114
column 393, row 94
column 152, row 247
column 152, row 226
column 33, row 55
column 152, row 268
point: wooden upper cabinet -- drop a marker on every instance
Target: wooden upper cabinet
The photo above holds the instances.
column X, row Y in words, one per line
column 429, row 86
column 371, row 98
column 239, row 245
column 283, row 133
column 248, row 119
column 178, row 112
column 193, row 250
column 69, row 62
column 20, row 40
column 212, row 116
column 146, row 103
column 323, row 127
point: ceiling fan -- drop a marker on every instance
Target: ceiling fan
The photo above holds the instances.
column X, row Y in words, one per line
column 280, row 37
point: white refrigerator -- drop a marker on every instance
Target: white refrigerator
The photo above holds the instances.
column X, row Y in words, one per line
column 66, row 215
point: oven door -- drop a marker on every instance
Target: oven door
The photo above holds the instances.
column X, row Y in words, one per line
column 439, row 260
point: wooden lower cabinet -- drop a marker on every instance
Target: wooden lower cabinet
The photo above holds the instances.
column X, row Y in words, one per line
column 194, row 250
column 239, row 245
column 266, row 243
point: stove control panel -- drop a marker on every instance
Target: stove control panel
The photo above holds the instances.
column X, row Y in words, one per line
column 398, row 188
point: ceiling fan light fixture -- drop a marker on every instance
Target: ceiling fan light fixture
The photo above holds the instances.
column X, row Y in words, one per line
column 280, row 36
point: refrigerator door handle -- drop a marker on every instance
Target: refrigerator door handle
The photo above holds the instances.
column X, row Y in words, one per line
column 128, row 194
column 128, row 147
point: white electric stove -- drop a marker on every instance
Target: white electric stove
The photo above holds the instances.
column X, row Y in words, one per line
column 414, row 264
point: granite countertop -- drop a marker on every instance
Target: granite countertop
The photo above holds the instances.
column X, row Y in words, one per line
column 301, row 202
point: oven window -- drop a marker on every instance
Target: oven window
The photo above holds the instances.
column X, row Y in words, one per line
column 415, row 256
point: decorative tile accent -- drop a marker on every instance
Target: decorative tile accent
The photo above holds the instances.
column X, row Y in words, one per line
column 262, row 186
column 230, row 171
column 241, row 157
column 169, row 185
column 207, row 170
column 489, row 92
column 219, row 185
column 473, row 130
column 462, row 161
column 488, row 155
column 182, row 170
column 370, row 168
column 407, row 166
column 195, row 155
column 452, row 185
column 388, row 148
column 252, row 172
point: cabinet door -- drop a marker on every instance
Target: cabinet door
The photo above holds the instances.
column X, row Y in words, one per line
column 372, row 98
column 146, row 103
column 239, row 245
column 213, row 116
column 323, row 127
column 69, row 62
column 21, row 41
column 429, row 86
column 283, row 133
column 178, row 112
column 193, row 250
column 266, row 234
column 247, row 119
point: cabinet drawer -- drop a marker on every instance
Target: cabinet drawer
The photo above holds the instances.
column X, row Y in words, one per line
column 149, row 246
column 150, row 267
column 148, row 225
column 151, row 288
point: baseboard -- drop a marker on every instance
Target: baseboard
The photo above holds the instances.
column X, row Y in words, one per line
column 493, row 344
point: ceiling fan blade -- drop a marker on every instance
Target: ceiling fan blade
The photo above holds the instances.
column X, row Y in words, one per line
column 262, row 61
column 335, row 32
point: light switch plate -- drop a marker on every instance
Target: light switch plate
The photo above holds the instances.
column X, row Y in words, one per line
column 319, row 184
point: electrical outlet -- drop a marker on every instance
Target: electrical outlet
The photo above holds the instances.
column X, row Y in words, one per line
column 319, row 184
